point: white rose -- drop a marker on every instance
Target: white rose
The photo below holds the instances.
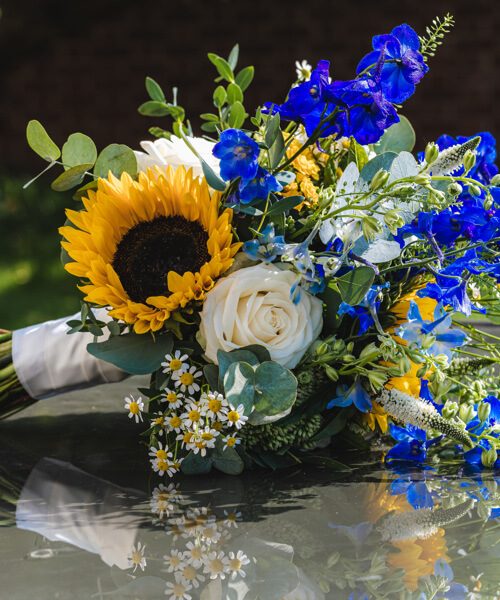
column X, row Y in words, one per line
column 176, row 153
column 253, row 306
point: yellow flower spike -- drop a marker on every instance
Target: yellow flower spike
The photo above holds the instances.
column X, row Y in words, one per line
column 146, row 248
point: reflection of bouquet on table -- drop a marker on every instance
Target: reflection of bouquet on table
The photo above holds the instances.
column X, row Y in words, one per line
column 393, row 538
column 288, row 282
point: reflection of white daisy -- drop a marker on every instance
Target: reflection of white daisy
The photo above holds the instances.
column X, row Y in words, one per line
column 230, row 441
column 215, row 565
column 191, row 575
column 210, row 534
column 215, row 404
column 231, row 518
column 163, row 499
column 194, row 554
column 178, row 589
column 175, row 362
column 174, row 561
column 136, row 557
column 236, row 416
column 236, row 563
column 134, row 407
column 186, row 380
column 173, row 398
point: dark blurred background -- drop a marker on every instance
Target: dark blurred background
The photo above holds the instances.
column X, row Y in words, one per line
column 80, row 66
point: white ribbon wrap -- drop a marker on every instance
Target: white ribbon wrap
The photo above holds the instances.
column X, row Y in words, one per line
column 49, row 362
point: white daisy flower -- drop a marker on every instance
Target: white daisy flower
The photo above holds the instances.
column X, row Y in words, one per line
column 185, row 380
column 204, row 439
column 174, row 467
column 215, row 565
column 173, row 398
column 195, row 554
column 159, row 421
column 160, row 452
column 215, row 404
column 174, row 423
column 174, row 561
column 134, row 407
column 160, row 466
column 136, row 557
column 236, row 563
column 178, row 589
column 175, row 363
column 303, row 69
column 235, row 416
column 230, row 441
column 186, row 439
column 191, row 575
column 193, row 415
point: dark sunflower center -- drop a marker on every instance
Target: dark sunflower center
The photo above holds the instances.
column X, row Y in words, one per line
column 151, row 249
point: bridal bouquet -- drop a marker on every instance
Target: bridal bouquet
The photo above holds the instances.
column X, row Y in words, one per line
column 293, row 280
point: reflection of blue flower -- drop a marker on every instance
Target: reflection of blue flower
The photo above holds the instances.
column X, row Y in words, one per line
column 396, row 62
column 357, row 534
column 238, row 154
column 355, row 395
column 416, row 329
column 416, row 491
column 259, row 187
column 412, row 444
column 455, row 591
column 266, row 247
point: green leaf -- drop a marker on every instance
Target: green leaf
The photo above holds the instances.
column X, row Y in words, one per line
column 382, row 161
column 222, row 66
column 227, row 358
column 354, row 285
column 154, row 108
column 211, row 373
column 356, row 154
column 209, row 117
column 244, row 77
column 220, row 96
column 194, row 464
column 154, row 90
column 40, row 142
column 259, row 351
column 213, row 180
column 70, row 178
column 78, row 150
column 209, row 127
column 80, row 192
column 284, row 204
column 332, row 301
column 272, row 129
column 239, row 385
column 277, row 150
column 116, row 158
column 276, row 388
column 228, row 461
column 232, row 59
column 137, row 354
column 234, row 93
column 398, row 138
column 237, row 115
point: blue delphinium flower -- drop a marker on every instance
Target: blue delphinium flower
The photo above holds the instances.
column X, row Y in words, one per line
column 238, row 154
column 412, row 444
column 416, row 330
column 266, row 247
column 366, row 310
column 258, row 187
column 396, row 62
column 355, row 395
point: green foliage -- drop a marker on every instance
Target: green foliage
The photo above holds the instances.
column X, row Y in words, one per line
column 116, row 158
column 40, row 141
column 134, row 353
column 398, row 138
column 376, row 164
column 70, row 178
column 434, row 35
column 78, row 150
column 154, row 90
column 354, row 285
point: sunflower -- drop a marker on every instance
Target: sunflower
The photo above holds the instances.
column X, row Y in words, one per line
column 147, row 248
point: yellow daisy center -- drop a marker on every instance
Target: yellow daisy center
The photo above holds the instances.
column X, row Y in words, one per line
column 134, row 408
column 171, row 397
column 207, row 436
column 175, row 364
column 186, row 379
column 194, row 415
column 175, row 421
column 161, row 454
column 233, row 416
column 231, row 442
column 214, row 405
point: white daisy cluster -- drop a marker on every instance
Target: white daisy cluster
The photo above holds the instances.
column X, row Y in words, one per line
column 193, row 418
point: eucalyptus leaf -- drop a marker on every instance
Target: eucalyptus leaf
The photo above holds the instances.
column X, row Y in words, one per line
column 260, row 352
column 397, row 138
column 40, row 141
column 226, row 358
column 228, row 461
column 70, row 178
column 277, row 150
column 137, row 354
column 213, row 180
column 284, row 204
column 239, row 385
column 194, row 464
column 276, row 388
column 404, row 165
column 382, row 161
column 78, row 150
column 211, row 373
column 116, row 158
column 354, row 285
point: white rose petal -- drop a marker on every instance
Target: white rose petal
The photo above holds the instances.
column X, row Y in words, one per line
column 253, row 306
column 175, row 153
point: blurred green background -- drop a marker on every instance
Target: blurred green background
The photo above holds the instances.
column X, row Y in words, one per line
column 33, row 284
